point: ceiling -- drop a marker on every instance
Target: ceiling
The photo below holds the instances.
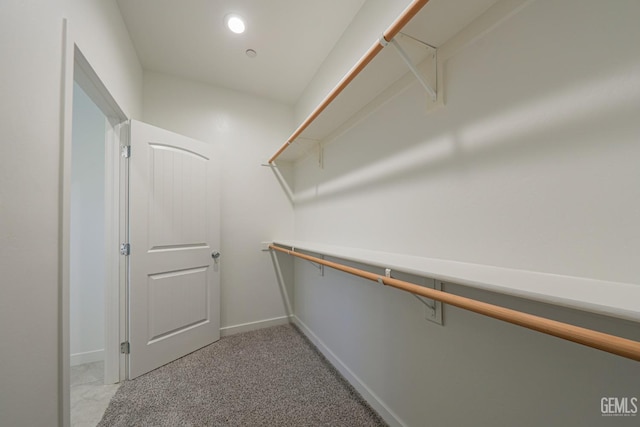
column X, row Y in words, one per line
column 188, row 38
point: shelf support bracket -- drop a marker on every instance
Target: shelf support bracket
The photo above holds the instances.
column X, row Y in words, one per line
column 431, row 304
column 434, row 308
column 405, row 57
column 320, row 267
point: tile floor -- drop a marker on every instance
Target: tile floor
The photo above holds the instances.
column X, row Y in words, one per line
column 89, row 396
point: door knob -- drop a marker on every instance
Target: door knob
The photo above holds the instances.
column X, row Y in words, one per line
column 215, row 254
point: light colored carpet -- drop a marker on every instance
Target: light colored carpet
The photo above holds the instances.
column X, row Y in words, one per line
column 269, row 377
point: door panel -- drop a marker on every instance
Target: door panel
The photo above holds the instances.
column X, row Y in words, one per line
column 177, row 214
column 177, row 301
column 174, row 305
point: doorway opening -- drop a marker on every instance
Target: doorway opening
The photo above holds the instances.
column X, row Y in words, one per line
column 93, row 223
column 88, row 284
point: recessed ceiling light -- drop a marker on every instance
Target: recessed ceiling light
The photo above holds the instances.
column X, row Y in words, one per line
column 234, row 23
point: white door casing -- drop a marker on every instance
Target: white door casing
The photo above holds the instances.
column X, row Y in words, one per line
column 174, row 208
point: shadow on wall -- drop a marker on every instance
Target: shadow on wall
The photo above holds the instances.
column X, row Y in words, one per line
column 398, row 143
column 283, row 270
column 283, row 172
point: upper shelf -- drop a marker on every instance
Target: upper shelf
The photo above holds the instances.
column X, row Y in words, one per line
column 423, row 23
column 615, row 299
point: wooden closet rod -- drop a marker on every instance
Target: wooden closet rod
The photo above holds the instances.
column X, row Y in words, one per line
column 605, row 342
column 388, row 35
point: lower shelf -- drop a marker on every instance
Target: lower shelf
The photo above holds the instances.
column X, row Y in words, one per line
column 614, row 299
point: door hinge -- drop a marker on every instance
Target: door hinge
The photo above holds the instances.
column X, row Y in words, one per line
column 125, row 249
column 125, row 151
column 125, row 348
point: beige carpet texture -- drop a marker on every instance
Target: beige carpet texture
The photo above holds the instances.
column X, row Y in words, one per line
column 269, row 377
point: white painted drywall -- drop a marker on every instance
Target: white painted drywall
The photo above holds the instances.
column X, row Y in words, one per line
column 87, row 242
column 30, row 134
column 254, row 208
column 532, row 164
column 373, row 18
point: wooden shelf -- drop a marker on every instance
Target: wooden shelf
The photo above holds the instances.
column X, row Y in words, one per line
column 614, row 299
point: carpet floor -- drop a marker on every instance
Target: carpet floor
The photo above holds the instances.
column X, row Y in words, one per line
column 269, row 377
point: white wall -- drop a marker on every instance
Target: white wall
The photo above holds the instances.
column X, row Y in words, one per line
column 87, row 242
column 254, row 208
column 373, row 18
column 30, row 135
column 532, row 164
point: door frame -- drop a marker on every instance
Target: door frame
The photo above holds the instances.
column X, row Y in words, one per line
column 76, row 68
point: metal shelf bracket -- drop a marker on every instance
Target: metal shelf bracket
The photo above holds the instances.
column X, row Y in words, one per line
column 429, row 86
column 320, row 267
column 434, row 308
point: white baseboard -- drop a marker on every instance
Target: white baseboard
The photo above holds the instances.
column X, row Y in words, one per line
column 372, row 399
column 252, row 326
column 87, row 357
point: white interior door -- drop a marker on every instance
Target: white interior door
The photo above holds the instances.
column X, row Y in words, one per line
column 174, row 290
